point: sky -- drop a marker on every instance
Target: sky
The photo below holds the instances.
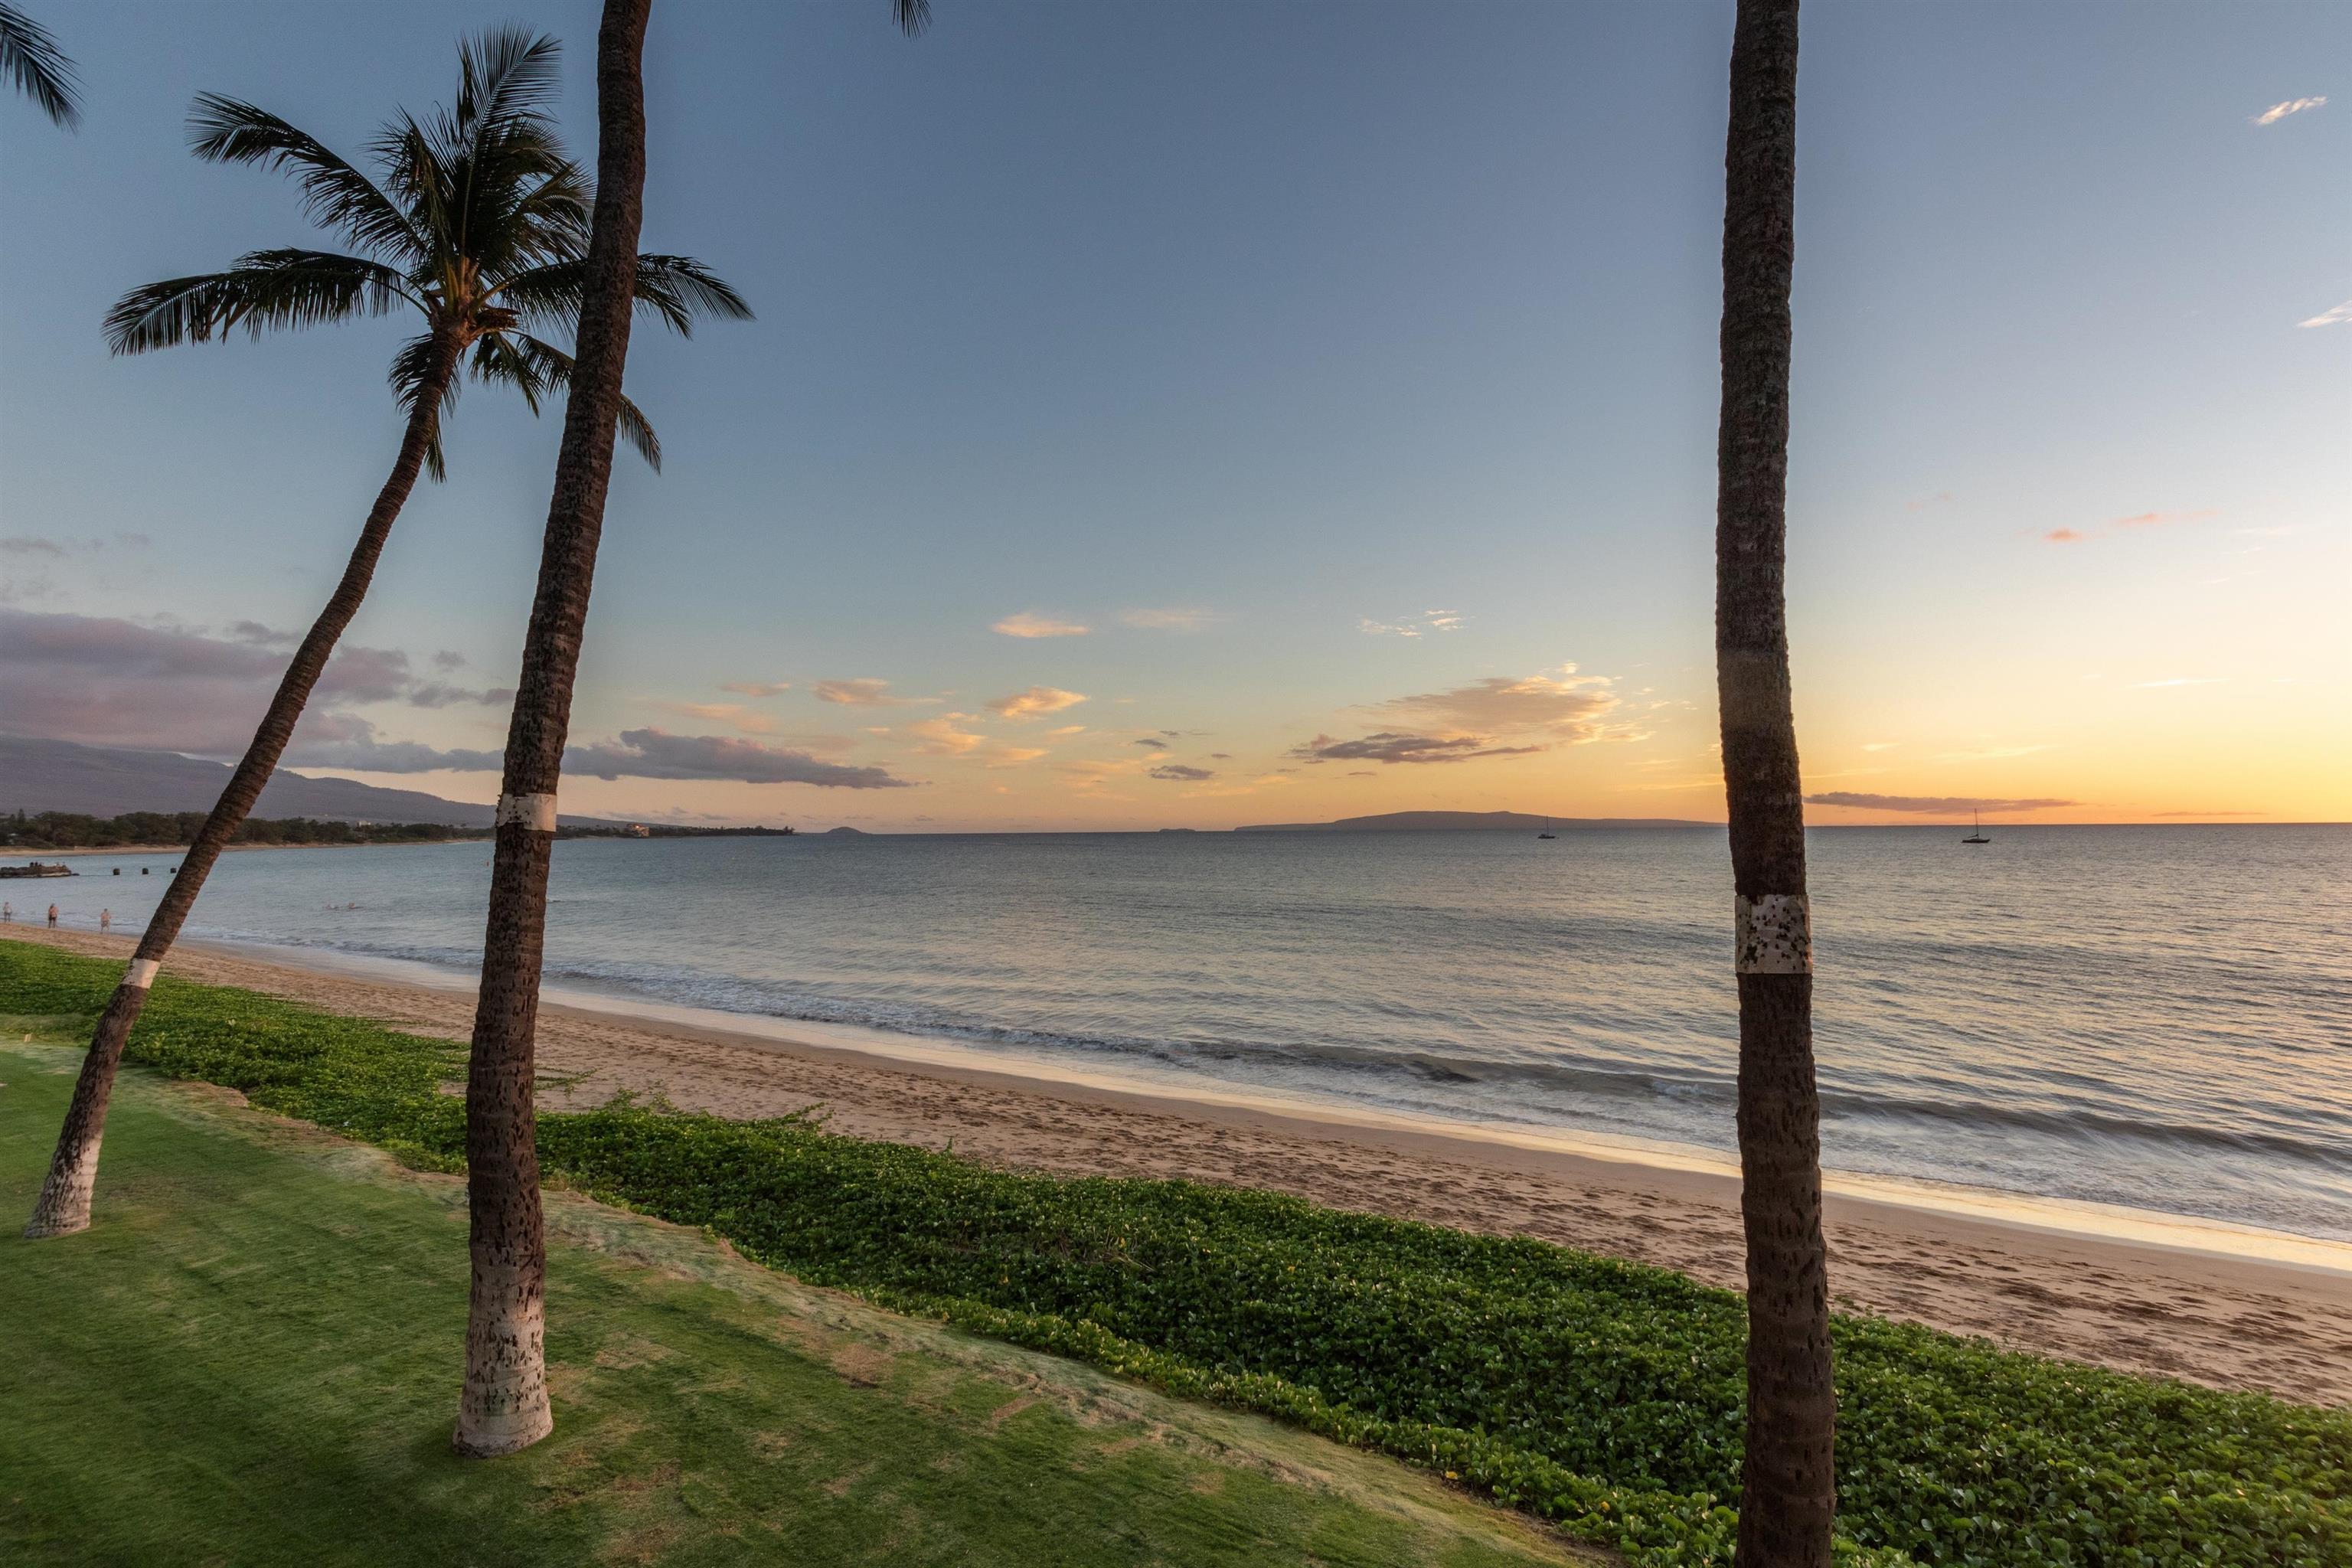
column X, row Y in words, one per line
column 1201, row 414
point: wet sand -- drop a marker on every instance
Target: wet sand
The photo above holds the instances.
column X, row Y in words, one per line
column 2228, row 1321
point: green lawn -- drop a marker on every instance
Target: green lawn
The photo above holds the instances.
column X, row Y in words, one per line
column 252, row 1359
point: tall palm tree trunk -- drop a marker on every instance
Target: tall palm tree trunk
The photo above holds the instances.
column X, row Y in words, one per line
column 504, row 1404
column 1787, row 1490
column 64, row 1203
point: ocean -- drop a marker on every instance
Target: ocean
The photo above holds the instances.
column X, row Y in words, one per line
column 2157, row 1018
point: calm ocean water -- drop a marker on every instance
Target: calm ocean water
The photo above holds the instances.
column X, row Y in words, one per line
column 2154, row 1016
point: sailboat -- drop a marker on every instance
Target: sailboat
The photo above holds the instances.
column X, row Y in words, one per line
column 1978, row 835
column 1547, row 833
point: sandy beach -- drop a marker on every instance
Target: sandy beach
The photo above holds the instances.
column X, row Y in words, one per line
column 2224, row 1320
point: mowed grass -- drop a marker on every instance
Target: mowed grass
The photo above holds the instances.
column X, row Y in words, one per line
column 252, row 1358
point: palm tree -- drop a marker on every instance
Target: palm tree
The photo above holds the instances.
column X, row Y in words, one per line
column 31, row 58
column 480, row 227
column 1788, row 1491
column 503, row 1406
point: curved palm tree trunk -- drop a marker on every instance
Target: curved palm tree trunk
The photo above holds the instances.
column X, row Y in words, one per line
column 504, row 1404
column 1787, row 1490
column 64, row 1203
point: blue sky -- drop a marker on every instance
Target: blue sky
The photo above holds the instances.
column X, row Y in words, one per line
column 1293, row 318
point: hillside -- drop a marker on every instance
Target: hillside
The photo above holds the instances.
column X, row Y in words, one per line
column 108, row 780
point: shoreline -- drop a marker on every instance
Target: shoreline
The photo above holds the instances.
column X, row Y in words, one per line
column 2227, row 1306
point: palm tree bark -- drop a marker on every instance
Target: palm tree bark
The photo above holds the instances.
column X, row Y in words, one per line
column 1788, row 1490
column 504, row 1404
column 64, row 1203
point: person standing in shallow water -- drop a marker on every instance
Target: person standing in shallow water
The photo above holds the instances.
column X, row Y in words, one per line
column 53, row 917
column 105, row 919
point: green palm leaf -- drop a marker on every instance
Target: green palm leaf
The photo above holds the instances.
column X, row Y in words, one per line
column 678, row 288
column 267, row 288
column 334, row 194
column 42, row 72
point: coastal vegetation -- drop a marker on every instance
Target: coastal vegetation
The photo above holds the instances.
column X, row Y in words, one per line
column 247, row 1362
column 480, row 225
column 1604, row 1396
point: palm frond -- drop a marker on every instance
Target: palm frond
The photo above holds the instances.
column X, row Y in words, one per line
column 334, row 194
column 495, row 178
column 913, row 17
column 497, row 359
column 42, row 72
column 504, row 75
column 283, row 288
column 548, row 367
column 549, row 222
column 409, row 368
column 678, row 288
column 416, row 174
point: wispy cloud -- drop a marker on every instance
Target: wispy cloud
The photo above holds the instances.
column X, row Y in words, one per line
column 1149, row 743
column 1034, row 704
column 657, row 754
column 757, row 688
column 2278, row 112
column 1990, row 754
column 1186, row 620
column 2065, row 536
column 1880, row 745
column 864, row 691
column 104, row 681
column 1177, row 773
column 1562, row 707
column 2331, row 318
column 941, row 738
column 1390, row 746
column 2150, row 519
column 1931, row 805
column 2182, row 680
column 733, row 713
column 1091, row 775
column 1028, row 624
column 1414, row 626
column 1472, row 721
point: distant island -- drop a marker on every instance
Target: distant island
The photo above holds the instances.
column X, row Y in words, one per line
column 852, row 832
column 1470, row 822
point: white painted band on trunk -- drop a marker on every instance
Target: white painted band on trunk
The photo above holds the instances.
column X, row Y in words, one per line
column 142, row 973
column 1775, row 934
column 536, row 812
